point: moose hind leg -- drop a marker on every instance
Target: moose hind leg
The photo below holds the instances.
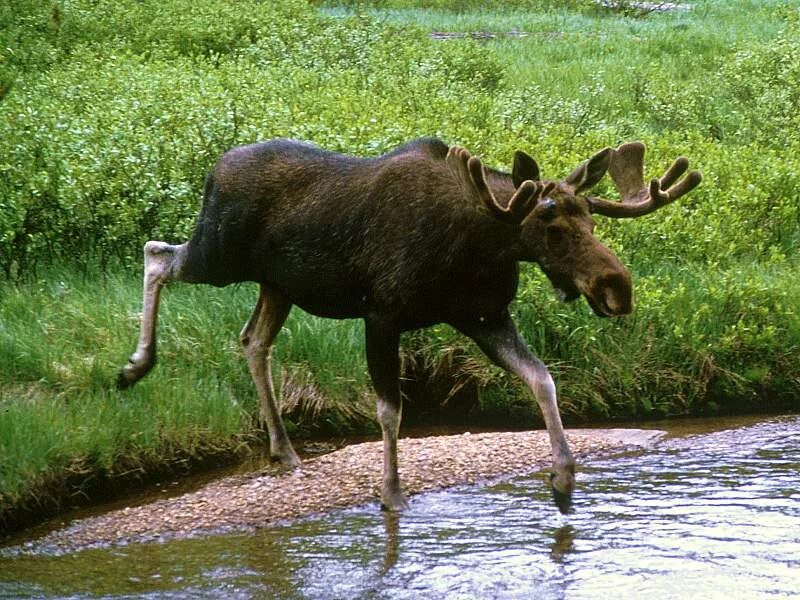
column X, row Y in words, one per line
column 162, row 263
column 502, row 343
column 257, row 338
column 383, row 362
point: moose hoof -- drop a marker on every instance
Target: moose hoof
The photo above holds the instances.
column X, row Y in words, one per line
column 129, row 375
column 393, row 502
column 286, row 458
column 286, row 463
column 562, row 486
column 123, row 382
column 139, row 365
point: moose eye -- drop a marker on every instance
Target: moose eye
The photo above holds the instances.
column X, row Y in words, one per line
column 547, row 210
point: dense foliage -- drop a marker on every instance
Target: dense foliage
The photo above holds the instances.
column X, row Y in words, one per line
column 112, row 113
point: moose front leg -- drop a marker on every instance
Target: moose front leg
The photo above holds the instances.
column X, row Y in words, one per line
column 502, row 343
column 162, row 263
column 383, row 362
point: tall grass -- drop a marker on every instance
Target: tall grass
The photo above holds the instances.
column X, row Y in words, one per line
column 112, row 113
column 63, row 337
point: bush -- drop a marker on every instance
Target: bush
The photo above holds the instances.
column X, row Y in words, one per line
column 89, row 168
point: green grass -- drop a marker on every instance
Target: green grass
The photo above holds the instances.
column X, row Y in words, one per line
column 112, row 113
column 61, row 418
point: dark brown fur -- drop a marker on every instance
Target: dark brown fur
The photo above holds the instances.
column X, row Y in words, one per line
column 346, row 237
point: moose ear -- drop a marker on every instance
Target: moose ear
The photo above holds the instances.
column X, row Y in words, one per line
column 589, row 172
column 525, row 168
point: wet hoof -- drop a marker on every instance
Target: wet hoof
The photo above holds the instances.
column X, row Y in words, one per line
column 563, row 499
column 394, row 504
column 563, row 502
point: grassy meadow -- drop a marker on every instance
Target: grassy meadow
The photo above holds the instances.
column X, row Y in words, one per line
column 112, row 113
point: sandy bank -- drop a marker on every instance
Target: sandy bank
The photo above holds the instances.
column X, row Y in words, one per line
column 347, row 477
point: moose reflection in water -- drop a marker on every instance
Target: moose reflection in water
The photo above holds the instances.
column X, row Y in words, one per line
column 423, row 235
column 563, row 542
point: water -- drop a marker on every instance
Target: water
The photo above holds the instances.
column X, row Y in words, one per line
column 713, row 515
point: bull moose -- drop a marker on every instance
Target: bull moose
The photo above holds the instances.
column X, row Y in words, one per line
column 422, row 235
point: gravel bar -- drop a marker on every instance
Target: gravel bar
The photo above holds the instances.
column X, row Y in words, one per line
column 347, row 477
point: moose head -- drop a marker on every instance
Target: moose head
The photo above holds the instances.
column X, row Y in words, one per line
column 555, row 218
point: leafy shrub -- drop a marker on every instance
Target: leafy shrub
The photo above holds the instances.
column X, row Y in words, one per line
column 89, row 168
column 29, row 39
column 764, row 83
column 457, row 5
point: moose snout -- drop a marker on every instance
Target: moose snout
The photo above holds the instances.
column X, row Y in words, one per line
column 612, row 295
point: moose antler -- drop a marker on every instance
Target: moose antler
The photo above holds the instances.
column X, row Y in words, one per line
column 471, row 174
column 627, row 171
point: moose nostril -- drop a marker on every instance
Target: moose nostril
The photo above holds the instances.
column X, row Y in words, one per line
column 617, row 306
column 617, row 294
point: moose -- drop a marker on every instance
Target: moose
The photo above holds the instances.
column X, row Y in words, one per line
column 422, row 235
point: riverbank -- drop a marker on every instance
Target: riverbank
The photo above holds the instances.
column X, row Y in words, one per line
column 346, row 477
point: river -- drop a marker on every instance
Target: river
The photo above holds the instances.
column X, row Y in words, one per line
column 699, row 515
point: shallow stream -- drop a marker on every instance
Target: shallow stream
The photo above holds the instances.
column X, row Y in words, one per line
column 700, row 515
